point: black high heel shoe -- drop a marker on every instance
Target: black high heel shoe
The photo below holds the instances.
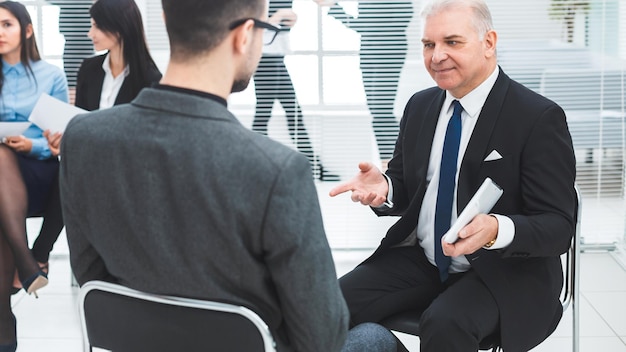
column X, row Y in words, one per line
column 34, row 283
column 12, row 347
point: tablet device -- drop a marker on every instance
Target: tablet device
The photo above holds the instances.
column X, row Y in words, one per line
column 481, row 203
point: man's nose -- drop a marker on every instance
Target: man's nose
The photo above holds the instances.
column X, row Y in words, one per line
column 439, row 54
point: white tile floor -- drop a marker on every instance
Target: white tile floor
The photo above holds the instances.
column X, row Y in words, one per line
column 51, row 322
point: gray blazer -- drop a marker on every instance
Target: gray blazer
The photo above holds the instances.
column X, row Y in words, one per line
column 171, row 194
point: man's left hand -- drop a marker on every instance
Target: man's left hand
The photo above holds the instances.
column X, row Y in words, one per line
column 480, row 231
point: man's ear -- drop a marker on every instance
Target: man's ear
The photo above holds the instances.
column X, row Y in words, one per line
column 491, row 38
column 242, row 36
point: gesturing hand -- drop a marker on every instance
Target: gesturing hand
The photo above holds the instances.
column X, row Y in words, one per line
column 369, row 186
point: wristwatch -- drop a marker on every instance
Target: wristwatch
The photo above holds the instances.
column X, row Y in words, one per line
column 491, row 243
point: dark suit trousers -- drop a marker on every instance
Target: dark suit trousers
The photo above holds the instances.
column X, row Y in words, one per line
column 458, row 313
column 273, row 82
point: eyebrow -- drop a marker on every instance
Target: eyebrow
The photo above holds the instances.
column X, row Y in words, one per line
column 453, row 37
column 449, row 37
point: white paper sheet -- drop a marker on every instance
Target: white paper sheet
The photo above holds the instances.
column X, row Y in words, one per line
column 52, row 114
column 10, row 129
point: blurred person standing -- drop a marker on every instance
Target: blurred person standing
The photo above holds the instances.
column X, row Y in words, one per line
column 272, row 82
column 74, row 24
column 382, row 26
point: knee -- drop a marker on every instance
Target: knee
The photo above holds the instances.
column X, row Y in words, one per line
column 5, row 151
column 370, row 337
column 6, row 155
column 439, row 325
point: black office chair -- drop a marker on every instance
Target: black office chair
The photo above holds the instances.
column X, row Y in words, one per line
column 120, row 319
column 409, row 322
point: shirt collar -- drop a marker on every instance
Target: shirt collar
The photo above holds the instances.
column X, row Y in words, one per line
column 106, row 66
column 473, row 101
column 18, row 67
column 192, row 92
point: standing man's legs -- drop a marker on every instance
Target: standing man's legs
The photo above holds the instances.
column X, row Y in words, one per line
column 286, row 95
column 381, row 77
column 266, row 88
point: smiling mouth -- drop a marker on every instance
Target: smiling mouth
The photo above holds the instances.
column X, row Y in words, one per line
column 442, row 70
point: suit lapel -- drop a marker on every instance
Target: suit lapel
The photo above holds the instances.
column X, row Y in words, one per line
column 96, row 82
column 123, row 96
column 425, row 135
column 476, row 151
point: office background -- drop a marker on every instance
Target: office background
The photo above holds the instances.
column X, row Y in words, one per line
column 571, row 51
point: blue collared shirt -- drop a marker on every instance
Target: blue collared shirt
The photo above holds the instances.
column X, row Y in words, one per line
column 20, row 92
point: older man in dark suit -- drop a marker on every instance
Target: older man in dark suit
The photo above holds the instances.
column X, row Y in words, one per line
column 503, row 276
column 170, row 194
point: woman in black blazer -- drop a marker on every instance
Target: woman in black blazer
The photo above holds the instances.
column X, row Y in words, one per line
column 117, row 27
column 113, row 78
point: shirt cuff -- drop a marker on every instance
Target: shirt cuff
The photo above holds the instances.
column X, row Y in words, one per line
column 39, row 149
column 389, row 202
column 506, row 232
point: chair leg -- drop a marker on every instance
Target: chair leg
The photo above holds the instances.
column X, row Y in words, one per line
column 575, row 322
column 400, row 346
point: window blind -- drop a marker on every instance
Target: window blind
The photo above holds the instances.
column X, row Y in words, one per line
column 573, row 52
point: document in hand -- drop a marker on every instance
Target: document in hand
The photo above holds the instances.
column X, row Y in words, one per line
column 52, row 114
column 481, row 203
column 10, row 129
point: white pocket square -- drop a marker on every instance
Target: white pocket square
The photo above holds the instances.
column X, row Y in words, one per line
column 494, row 155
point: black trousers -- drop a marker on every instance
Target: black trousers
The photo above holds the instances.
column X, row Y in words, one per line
column 458, row 314
column 51, row 227
column 42, row 183
column 272, row 82
column 381, row 65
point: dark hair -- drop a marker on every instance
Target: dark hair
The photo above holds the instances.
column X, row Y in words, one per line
column 28, row 51
column 198, row 26
column 122, row 19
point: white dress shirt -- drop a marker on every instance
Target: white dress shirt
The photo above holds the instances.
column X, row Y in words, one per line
column 425, row 232
column 111, row 85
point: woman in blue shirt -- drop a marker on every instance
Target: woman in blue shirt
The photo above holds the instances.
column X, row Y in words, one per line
column 27, row 167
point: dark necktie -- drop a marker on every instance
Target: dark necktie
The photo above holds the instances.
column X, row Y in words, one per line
column 445, row 194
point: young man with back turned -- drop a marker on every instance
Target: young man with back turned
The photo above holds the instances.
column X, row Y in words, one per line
column 171, row 194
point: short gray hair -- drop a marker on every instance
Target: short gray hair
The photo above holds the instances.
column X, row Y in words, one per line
column 481, row 15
